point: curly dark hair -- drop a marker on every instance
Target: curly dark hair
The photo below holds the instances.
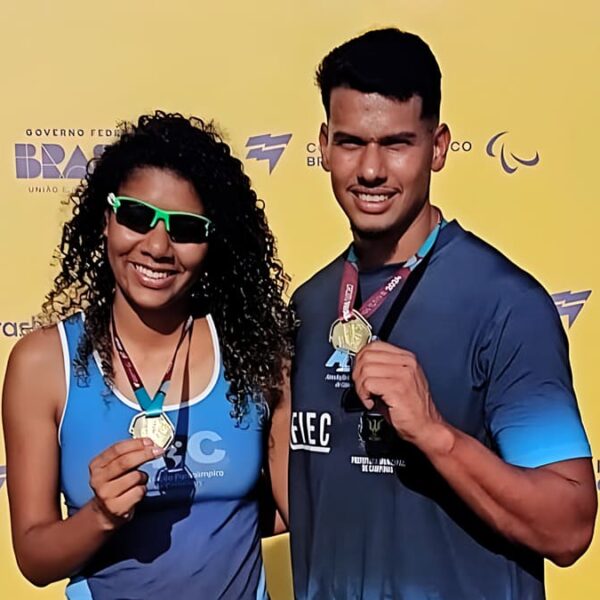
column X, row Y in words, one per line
column 242, row 284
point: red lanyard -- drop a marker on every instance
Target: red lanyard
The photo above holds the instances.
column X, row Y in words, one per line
column 349, row 285
column 151, row 406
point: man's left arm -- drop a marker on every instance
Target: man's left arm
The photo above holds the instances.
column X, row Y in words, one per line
column 549, row 508
column 278, row 452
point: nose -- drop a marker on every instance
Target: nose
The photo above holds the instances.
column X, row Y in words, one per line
column 372, row 169
column 157, row 243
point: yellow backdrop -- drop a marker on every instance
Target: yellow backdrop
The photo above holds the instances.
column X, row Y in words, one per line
column 70, row 70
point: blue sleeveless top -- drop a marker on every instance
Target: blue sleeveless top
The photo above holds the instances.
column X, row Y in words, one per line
column 195, row 535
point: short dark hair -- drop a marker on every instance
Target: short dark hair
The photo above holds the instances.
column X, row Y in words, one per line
column 390, row 62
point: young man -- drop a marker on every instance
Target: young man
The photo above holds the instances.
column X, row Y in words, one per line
column 436, row 445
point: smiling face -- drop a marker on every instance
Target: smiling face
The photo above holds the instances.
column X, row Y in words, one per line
column 380, row 154
column 151, row 270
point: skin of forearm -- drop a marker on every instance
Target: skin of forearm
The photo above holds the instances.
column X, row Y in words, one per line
column 279, row 442
column 50, row 552
column 279, row 490
column 537, row 508
column 281, row 525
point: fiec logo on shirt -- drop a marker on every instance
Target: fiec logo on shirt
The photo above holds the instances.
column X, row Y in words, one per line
column 310, row 431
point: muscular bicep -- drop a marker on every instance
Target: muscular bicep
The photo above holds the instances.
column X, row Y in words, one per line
column 33, row 388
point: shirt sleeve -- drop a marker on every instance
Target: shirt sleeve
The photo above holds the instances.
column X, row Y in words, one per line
column 531, row 410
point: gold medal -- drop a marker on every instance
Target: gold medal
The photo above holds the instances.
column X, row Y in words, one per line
column 352, row 335
column 158, row 428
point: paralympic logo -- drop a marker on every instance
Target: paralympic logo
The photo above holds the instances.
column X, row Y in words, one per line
column 507, row 158
column 569, row 304
column 268, row 147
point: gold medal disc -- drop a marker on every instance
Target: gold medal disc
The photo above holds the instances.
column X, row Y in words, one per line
column 158, row 428
column 352, row 335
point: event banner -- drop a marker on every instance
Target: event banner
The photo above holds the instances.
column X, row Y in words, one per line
column 520, row 93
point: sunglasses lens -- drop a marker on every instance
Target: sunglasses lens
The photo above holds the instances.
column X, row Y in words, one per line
column 140, row 217
column 134, row 216
column 188, row 230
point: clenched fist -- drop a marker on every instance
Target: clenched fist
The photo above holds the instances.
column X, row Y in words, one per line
column 390, row 381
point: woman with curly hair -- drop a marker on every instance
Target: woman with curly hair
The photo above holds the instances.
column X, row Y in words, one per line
column 148, row 396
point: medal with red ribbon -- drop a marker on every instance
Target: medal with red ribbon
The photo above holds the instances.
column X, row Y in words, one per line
column 351, row 331
column 152, row 422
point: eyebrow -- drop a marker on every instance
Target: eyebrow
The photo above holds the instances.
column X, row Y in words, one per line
column 386, row 140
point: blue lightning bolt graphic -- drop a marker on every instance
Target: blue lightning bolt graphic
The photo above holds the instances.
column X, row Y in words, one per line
column 268, row 147
column 569, row 304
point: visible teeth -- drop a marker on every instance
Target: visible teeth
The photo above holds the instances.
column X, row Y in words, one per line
column 372, row 197
column 151, row 273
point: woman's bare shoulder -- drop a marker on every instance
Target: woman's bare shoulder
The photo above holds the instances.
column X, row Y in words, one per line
column 37, row 349
column 35, row 368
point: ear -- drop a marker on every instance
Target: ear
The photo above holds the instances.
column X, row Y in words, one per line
column 441, row 143
column 323, row 142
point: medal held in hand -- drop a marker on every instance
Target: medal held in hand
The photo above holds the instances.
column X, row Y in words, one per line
column 152, row 423
column 351, row 331
column 158, row 428
column 350, row 336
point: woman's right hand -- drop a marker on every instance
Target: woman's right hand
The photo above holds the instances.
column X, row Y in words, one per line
column 117, row 482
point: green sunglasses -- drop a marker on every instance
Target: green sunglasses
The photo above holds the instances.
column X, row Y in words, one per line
column 141, row 217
